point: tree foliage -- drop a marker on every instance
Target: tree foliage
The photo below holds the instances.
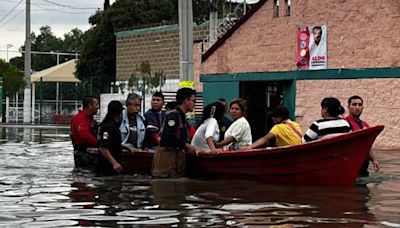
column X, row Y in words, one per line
column 46, row 41
column 98, row 53
column 147, row 82
column 13, row 79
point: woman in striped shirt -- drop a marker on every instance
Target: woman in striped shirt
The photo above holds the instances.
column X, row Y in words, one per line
column 332, row 123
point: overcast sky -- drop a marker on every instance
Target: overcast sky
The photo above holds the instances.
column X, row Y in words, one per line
column 60, row 15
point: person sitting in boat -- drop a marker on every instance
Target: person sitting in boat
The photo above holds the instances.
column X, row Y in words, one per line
column 169, row 158
column 208, row 131
column 84, row 129
column 110, row 147
column 284, row 133
column 132, row 126
column 154, row 119
column 332, row 123
column 239, row 133
column 355, row 107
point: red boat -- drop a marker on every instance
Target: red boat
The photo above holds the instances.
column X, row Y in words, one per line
column 332, row 161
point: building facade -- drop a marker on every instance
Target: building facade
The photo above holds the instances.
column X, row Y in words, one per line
column 158, row 45
column 256, row 60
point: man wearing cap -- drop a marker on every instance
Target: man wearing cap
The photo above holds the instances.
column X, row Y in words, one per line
column 285, row 131
column 169, row 158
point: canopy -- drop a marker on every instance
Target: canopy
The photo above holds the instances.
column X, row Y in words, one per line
column 59, row 73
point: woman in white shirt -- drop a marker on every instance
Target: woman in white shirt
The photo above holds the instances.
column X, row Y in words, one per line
column 208, row 131
column 239, row 133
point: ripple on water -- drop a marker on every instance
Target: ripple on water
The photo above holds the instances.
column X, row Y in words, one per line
column 58, row 223
column 162, row 221
column 258, row 206
column 154, row 214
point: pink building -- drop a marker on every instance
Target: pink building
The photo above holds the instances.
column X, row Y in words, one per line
column 256, row 60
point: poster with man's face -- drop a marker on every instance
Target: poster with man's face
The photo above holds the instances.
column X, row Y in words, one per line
column 312, row 47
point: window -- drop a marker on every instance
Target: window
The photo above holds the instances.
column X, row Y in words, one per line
column 287, row 8
column 276, row 8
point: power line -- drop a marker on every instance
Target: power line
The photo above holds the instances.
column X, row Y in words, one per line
column 12, row 18
column 67, row 6
column 60, row 11
column 46, row 4
column 10, row 11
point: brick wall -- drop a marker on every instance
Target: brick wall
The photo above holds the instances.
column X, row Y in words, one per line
column 159, row 45
column 361, row 34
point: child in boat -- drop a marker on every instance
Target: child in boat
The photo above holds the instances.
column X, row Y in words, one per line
column 239, row 133
column 331, row 124
column 285, row 132
column 208, row 131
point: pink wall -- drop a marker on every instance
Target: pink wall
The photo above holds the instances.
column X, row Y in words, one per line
column 381, row 106
column 361, row 34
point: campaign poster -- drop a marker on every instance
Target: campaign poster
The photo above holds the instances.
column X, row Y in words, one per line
column 312, row 48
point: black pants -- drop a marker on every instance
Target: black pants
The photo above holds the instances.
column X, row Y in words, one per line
column 84, row 159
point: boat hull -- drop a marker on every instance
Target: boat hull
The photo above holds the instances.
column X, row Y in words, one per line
column 333, row 161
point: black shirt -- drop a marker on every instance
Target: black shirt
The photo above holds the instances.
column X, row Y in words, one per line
column 110, row 138
column 175, row 130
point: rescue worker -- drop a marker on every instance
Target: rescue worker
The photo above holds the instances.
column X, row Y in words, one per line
column 154, row 120
column 83, row 133
column 110, row 141
column 169, row 158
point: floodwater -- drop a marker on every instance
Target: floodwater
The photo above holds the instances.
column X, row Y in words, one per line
column 40, row 188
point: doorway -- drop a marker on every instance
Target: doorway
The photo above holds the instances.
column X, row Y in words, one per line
column 262, row 97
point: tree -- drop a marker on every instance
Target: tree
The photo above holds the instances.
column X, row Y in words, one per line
column 147, row 82
column 13, row 79
column 46, row 41
column 98, row 54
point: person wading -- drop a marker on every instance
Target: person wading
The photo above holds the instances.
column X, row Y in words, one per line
column 169, row 158
column 84, row 134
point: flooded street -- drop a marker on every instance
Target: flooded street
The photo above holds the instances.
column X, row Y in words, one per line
column 40, row 188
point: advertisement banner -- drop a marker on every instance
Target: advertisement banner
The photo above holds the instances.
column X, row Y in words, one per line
column 312, row 47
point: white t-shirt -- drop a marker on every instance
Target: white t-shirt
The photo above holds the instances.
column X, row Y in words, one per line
column 240, row 130
column 209, row 128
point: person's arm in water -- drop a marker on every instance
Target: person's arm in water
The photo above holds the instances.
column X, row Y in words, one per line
column 375, row 162
column 263, row 141
column 107, row 155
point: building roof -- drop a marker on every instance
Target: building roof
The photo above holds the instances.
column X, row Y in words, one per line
column 229, row 33
column 59, row 73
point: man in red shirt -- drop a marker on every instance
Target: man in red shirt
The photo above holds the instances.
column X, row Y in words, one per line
column 84, row 133
column 355, row 110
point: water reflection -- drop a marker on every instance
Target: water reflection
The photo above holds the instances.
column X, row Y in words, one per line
column 28, row 135
column 40, row 188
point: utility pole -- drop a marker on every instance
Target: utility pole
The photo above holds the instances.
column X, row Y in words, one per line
column 186, row 65
column 27, row 65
